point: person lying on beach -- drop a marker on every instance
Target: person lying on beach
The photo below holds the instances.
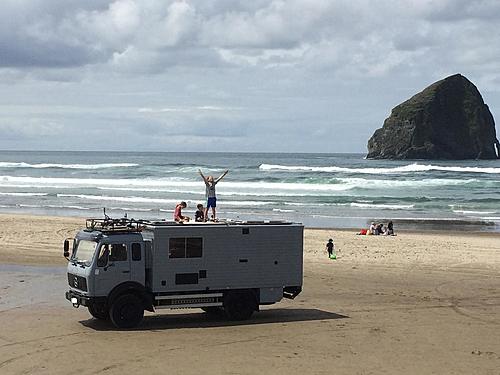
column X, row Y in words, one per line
column 210, row 183
column 199, row 215
column 178, row 216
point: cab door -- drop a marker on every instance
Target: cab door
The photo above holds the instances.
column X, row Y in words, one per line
column 137, row 263
column 113, row 267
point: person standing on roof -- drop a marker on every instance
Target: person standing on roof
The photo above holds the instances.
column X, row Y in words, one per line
column 210, row 192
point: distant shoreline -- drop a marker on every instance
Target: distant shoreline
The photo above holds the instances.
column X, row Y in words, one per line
column 464, row 227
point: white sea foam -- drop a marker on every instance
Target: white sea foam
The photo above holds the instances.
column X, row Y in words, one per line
column 74, row 207
column 118, row 199
column 363, row 183
column 472, row 212
column 229, row 187
column 137, row 209
column 154, row 200
column 220, row 192
column 411, row 168
column 69, row 206
column 383, row 206
column 34, row 186
column 25, row 194
column 66, row 166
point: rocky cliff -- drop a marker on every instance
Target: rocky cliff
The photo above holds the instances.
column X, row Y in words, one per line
column 447, row 120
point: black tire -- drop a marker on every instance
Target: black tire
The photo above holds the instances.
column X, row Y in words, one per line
column 127, row 311
column 239, row 305
column 99, row 311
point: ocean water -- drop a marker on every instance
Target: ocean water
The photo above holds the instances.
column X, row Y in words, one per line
column 319, row 190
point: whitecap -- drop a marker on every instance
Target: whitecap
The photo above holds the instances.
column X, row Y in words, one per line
column 383, row 206
column 411, row 168
column 25, row 194
column 66, row 166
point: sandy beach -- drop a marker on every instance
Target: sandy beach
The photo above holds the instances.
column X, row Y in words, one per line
column 416, row 303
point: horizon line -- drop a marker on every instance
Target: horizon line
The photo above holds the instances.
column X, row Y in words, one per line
column 193, row 152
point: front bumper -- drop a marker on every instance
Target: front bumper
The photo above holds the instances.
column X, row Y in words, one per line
column 77, row 299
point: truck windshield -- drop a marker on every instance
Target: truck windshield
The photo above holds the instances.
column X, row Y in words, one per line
column 84, row 252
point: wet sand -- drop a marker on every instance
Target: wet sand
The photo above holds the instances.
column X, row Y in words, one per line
column 413, row 304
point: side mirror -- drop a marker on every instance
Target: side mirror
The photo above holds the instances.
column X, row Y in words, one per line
column 66, row 249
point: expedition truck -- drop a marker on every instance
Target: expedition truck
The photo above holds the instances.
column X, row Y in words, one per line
column 118, row 268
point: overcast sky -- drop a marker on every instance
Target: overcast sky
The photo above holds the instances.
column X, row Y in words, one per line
column 292, row 76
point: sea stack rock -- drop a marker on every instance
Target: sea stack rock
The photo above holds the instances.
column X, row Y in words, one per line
column 447, row 120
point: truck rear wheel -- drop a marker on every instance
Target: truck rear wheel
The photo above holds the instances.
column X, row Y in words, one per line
column 127, row 311
column 239, row 305
column 99, row 311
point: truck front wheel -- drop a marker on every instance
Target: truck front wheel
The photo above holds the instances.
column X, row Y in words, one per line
column 99, row 311
column 239, row 305
column 127, row 311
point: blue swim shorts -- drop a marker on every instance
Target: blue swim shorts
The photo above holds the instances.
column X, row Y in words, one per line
column 212, row 202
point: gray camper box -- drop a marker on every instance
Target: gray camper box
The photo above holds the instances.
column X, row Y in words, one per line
column 119, row 268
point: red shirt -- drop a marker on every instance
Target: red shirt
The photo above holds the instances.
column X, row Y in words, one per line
column 178, row 213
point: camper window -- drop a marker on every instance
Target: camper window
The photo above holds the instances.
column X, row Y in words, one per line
column 177, row 248
column 194, row 247
column 185, row 247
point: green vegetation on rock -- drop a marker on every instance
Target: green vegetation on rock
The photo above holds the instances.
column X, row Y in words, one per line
column 447, row 120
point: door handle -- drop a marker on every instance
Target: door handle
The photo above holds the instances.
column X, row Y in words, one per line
column 125, row 271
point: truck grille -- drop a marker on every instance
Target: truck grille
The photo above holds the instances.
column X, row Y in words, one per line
column 77, row 282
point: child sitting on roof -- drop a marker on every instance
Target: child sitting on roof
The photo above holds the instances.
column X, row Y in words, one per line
column 199, row 215
column 178, row 216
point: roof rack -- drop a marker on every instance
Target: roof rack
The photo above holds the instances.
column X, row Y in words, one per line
column 107, row 224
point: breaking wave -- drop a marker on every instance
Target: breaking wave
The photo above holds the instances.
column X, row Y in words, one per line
column 229, row 188
column 383, row 206
column 135, row 199
column 25, row 194
column 411, row 168
column 66, row 166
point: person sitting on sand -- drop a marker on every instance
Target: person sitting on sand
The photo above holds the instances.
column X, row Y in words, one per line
column 210, row 192
column 199, row 215
column 380, row 229
column 372, row 229
column 390, row 229
column 178, row 213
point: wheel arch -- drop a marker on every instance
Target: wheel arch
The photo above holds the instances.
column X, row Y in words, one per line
column 134, row 288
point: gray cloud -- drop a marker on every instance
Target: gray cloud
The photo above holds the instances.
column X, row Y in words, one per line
column 290, row 68
column 147, row 36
